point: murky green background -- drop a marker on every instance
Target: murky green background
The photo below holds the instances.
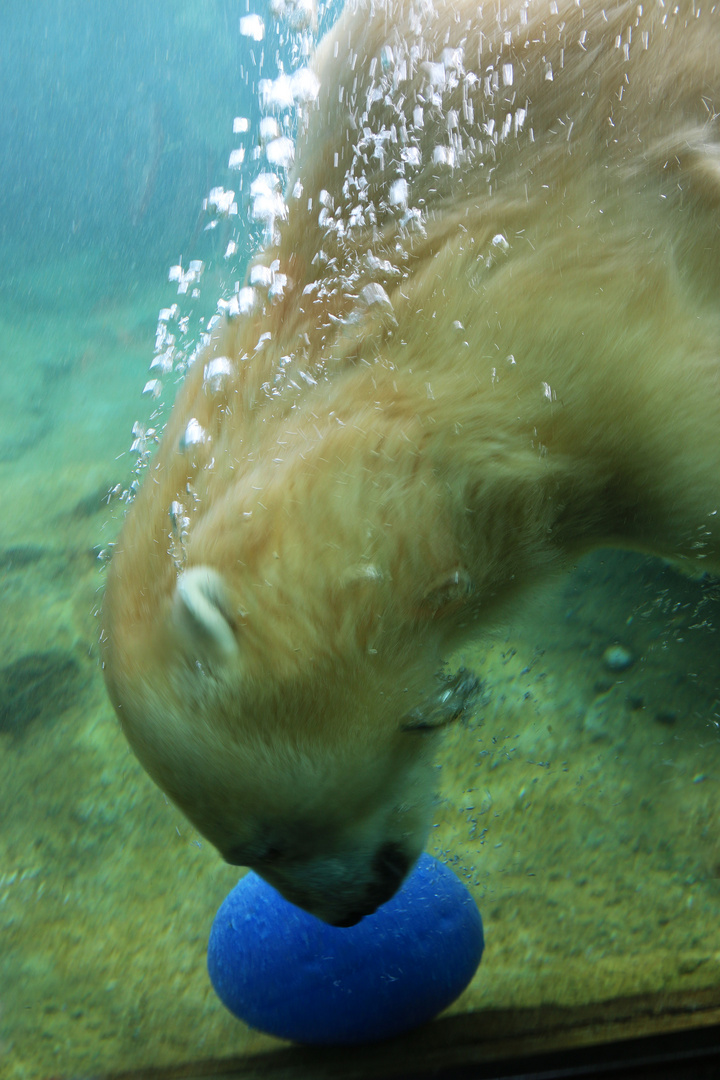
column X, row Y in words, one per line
column 579, row 803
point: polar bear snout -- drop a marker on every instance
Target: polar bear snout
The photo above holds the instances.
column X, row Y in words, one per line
column 391, row 864
column 343, row 895
column 390, row 868
column 342, row 887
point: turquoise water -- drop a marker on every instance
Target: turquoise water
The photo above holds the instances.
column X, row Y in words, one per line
column 115, row 120
column 580, row 802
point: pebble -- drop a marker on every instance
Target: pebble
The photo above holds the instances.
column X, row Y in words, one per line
column 617, row 658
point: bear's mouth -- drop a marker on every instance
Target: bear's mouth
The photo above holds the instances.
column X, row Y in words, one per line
column 391, row 866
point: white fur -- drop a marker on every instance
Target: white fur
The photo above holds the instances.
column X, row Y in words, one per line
column 497, row 346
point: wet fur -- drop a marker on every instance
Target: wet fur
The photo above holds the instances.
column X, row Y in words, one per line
column 378, row 480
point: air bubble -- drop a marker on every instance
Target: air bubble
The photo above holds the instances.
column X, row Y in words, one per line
column 152, row 388
column 216, row 372
column 276, row 93
column 398, row 194
column 261, row 275
column 435, row 74
column 269, row 129
column 298, row 14
column 306, row 86
column 300, row 88
column 444, row 155
column 177, row 516
column 280, row 152
column 372, row 302
column 411, row 156
column 221, row 202
column 277, row 287
column 141, row 438
column 228, row 308
column 186, row 278
column 453, row 60
column 194, row 435
column 267, row 202
column 246, row 299
column 163, row 362
column 252, row 26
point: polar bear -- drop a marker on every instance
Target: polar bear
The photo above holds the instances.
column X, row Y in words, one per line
column 488, row 341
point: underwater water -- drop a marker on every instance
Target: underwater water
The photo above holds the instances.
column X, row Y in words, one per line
column 579, row 803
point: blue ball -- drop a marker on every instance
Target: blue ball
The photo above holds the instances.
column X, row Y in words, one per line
column 287, row 973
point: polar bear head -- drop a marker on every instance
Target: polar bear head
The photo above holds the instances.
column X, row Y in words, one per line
column 322, row 783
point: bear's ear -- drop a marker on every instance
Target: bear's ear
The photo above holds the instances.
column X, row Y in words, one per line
column 203, row 616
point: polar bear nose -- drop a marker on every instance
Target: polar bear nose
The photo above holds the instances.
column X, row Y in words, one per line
column 390, row 867
column 351, row 919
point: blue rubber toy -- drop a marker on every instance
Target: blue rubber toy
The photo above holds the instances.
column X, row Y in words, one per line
column 287, row 973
